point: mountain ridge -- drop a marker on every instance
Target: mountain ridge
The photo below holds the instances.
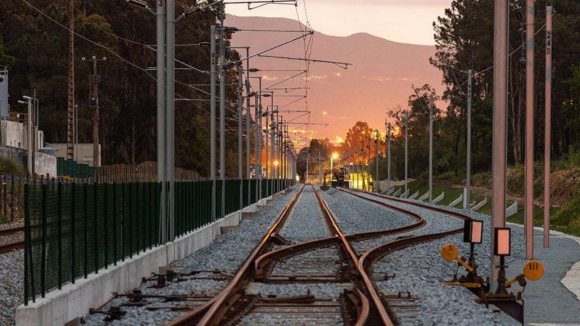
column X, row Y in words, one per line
column 379, row 78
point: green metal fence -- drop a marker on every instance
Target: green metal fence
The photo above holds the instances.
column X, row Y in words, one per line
column 74, row 229
column 74, row 169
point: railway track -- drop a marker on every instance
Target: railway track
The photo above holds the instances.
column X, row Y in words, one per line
column 7, row 242
column 274, row 284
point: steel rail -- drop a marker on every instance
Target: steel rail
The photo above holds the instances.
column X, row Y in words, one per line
column 11, row 246
column 11, row 230
column 218, row 306
column 360, row 273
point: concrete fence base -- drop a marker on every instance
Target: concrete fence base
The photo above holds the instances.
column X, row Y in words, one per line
column 74, row 300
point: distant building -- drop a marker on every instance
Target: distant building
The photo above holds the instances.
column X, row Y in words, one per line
column 83, row 152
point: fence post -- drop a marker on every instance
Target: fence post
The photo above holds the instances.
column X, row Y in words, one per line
column 43, row 244
column 85, row 229
column 115, row 218
column 73, row 232
column 106, row 224
column 59, row 233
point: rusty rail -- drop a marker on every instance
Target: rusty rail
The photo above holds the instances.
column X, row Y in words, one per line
column 360, row 273
column 215, row 309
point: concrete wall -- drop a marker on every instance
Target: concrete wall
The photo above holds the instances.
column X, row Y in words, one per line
column 45, row 164
column 13, row 134
column 74, row 300
column 83, row 152
column 14, row 153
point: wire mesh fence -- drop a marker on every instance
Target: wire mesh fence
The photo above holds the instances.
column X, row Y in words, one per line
column 75, row 229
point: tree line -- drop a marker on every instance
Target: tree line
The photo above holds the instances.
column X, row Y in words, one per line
column 464, row 40
column 34, row 46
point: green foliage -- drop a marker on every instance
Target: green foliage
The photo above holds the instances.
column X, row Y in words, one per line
column 5, row 59
column 11, row 167
column 127, row 92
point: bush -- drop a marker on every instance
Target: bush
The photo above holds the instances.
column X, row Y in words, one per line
column 9, row 166
column 481, row 179
column 442, row 166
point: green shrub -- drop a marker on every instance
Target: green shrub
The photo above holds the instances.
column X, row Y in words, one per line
column 9, row 166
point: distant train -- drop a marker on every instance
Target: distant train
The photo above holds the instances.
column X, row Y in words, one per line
column 340, row 177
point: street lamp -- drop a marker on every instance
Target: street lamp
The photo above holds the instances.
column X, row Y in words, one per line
column 333, row 157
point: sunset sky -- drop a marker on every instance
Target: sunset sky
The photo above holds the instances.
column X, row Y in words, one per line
column 402, row 21
column 405, row 21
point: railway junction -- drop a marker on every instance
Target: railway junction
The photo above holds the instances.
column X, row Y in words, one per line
column 304, row 276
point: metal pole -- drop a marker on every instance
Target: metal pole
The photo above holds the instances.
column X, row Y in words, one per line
column 468, row 145
column 406, row 146
column 307, row 161
column 271, row 130
column 499, row 148
column 258, row 118
column 548, row 127
column 376, row 188
column 222, row 112
column 319, row 169
column 29, row 140
column 212, row 124
column 95, row 117
column 388, row 157
column 529, row 175
column 170, row 106
column 248, row 143
column 268, row 157
column 257, row 162
column 431, row 148
column 240, row 143
column 248, row 148
column 160, row 14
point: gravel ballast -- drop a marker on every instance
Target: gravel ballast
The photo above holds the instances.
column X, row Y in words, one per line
column 418, row 269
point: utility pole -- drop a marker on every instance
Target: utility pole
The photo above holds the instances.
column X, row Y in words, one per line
column 548, row 127
column 170, row 112
column 529, row 175
column 71, row 85
column 95, row 79
column 212, row 125
column 431, row 103
column 222, row 111
column 376, row 187
column 388, row 157
column 161, row 157
column 406, row 146
column 468, row 145
column 240, row 143
column 499, row 157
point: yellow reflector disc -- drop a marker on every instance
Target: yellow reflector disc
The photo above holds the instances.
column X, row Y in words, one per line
column 449, row 252
column 533, row 270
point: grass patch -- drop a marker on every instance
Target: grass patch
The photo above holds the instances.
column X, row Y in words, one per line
column 566, row 219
